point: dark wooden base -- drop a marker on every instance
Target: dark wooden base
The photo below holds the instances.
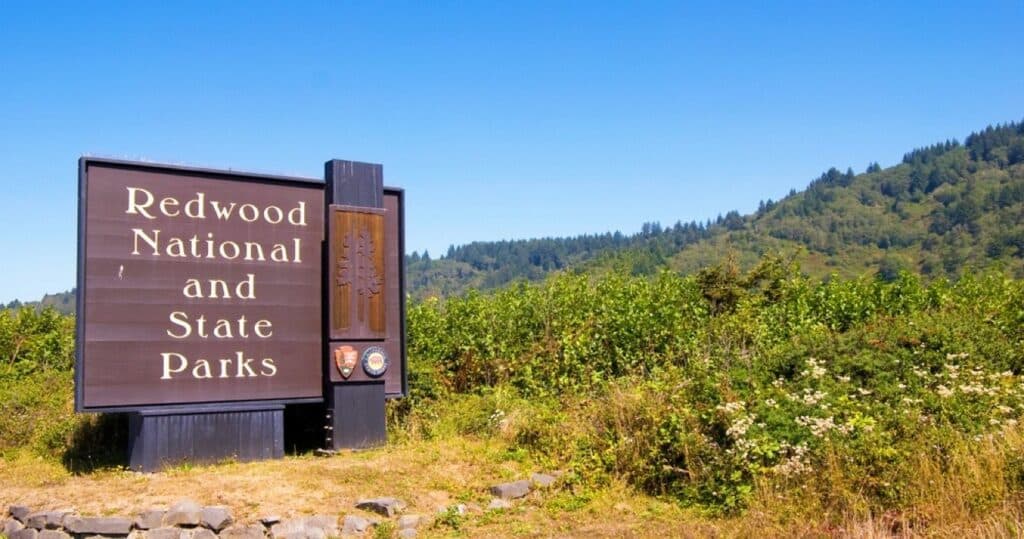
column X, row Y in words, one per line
column 169, row 436
column 357, row 415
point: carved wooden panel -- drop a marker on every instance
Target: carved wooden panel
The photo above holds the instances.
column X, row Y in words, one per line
column 358, row 283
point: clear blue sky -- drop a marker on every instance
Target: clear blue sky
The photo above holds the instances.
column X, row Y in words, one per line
column 502, row 120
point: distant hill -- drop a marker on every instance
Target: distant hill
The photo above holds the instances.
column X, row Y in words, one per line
column 944, row 208
column 64, row 302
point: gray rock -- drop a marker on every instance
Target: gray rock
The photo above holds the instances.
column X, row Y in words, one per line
column 354, row 525
column 387, row 507
column 24, row 533
column 11, row 526
column 50, row 520
column 410, row 521
column 216, row 518
column 498, row 504
column 543, row 480
column 167, row 533
column 19, row 512
column 270, row 520
column 323, row 523
column 288, row 529
column 239, row 531
column 407, row 533
column 52, row 534
column 97, row 525
column 203, row 533
column 508, row 491
column 150, row 519
column 183, row 513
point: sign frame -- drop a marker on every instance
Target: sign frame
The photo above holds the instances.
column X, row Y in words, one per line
column 403, row 359
column 85, row 163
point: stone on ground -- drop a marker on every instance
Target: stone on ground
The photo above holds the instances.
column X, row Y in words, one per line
column 183, row 513
column 498, row 504
column 543, row 480
column 167, row 533
column 387, row 506
column 406, row 522
column 19, row 512
column 216, row 518
column 150, row 519
column 243, row 531
column 354, row 525
column 508, row 491
column 97, row 525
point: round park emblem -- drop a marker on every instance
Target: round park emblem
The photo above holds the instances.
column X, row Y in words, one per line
column 375, row 361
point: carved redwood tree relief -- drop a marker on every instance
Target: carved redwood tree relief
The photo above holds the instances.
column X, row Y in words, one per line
column 357, row 254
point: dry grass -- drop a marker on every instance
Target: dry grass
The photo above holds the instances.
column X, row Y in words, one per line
column 428, row 475
column 956, row 502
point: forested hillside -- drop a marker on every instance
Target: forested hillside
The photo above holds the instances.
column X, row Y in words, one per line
column 945, row 207
column 63, row 302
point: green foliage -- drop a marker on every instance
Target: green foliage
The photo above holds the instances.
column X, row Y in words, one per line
column 385, row 530
column 450, row 518
column 36, row 412
column 704, row 387
column 33, row 340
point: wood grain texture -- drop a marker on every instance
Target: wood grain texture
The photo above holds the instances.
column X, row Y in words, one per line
column 359, row 277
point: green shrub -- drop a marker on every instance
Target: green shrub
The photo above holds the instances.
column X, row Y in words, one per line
column 707, row 387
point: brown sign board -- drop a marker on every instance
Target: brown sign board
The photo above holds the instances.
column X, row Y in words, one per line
column 198, row 286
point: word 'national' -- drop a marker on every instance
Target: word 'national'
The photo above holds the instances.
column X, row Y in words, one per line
column 213, row 248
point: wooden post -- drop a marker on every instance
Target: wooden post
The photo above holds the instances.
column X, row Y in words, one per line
column 355, row 409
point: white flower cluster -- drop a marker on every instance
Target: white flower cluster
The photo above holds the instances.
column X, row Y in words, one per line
column 819, row 426
column 812, row 396
column 740, row 426
column 814, row 369
column 731, row 407
column 794, row 463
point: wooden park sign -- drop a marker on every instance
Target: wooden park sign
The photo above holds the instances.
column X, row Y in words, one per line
column 201, row 300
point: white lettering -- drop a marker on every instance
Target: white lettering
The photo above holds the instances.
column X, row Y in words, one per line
column 297, row 215
column 134, row 208
column 243, row 367
column 253, row 212
column 269, row 369
column 222, row 213
column 153, row 242
column 278, row 215
column 195, row 208
column 167, row 371
column 205, row 369
column 180, row 319
column 261, row 325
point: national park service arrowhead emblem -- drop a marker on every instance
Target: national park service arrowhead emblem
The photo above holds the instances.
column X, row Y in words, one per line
column 345, row 358
column 375, row 361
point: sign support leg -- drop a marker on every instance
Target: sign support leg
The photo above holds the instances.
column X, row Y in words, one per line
column 159, row 437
